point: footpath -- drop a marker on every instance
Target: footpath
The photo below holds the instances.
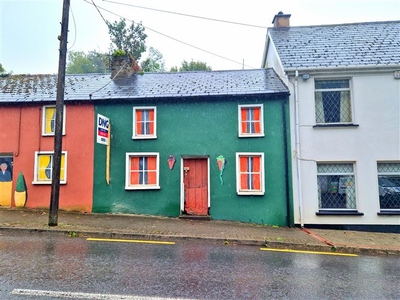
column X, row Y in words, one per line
column 161, row 228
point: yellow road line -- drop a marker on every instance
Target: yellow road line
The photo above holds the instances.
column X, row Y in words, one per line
column 130, row 241
column 307, row 252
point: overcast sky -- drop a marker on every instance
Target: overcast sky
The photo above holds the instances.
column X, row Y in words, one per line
column 29, row 28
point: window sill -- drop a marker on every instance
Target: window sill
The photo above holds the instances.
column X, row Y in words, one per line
column 339, row 213
column 250, row 193
column 144, row 137
column 389, row 213
column 47, row 182
column 145, row 187
column 336, row 125
column 258, row 135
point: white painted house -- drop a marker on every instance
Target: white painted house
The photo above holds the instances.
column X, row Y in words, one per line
column 344, row 81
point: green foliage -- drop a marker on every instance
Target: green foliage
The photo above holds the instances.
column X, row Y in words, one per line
column 119, row 52
column 2, row 70
column 192, row 66
column 154, row 62
column 131, row 38
column 93, row 62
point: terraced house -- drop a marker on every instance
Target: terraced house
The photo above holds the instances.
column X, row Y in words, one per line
column 204, row 144
column 344, row 81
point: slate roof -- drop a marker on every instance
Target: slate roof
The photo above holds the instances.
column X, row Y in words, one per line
column 30, row 88
column 374, row 44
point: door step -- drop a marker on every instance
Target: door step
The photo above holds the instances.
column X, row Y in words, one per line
column 195, row 217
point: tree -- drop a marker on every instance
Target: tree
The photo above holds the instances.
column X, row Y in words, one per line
column 130, row 39
column 192, row 66
column 2, row 70
column 154, row 62
column 93, row 62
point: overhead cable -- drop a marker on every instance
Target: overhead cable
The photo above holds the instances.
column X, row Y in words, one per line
column 186, row 15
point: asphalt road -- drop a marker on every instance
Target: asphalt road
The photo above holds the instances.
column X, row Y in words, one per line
column 47, row 266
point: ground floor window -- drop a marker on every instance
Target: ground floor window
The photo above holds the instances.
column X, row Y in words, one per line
column 250, row 173
column 336, row 186
column 142, row 171
column 389, row 185
column 44, row 167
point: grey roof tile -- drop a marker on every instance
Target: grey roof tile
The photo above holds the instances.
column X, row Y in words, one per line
column 28, row 88
column 343, row 45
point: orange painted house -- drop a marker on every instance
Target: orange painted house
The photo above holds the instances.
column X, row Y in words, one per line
column 27, row 144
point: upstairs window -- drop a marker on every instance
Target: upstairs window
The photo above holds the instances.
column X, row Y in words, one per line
column 44, row 167
column 144, row 123
column 142, row 171
column 336, row 186
column 250, row 173
column 332, row 101
column 389, row 186
column 49, row 120
column 251, row 121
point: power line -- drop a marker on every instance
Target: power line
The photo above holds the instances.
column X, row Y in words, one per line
column 99, row 12
column 187, row 15
column 167, row 36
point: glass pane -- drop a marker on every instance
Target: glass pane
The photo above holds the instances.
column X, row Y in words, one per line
column 335, row 168
column 332, row 84
column 389, row 185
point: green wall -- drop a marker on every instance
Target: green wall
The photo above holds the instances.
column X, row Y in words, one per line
column 192, row 126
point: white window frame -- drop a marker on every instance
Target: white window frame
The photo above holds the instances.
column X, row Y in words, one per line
column 135, row 135
column 350, row 89
column 239, row 191
column 247, row 135
column 44, row 108
column 35, row 178
column 128, row 186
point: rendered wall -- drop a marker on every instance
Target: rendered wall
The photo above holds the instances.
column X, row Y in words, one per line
column 21, row 136
column 376, row 109
column 194, row 128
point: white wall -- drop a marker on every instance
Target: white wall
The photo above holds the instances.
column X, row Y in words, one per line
column 376, row 109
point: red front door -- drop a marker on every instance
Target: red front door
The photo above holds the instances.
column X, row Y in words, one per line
column 195, row 181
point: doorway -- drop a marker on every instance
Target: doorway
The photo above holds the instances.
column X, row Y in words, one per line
column 195, row 182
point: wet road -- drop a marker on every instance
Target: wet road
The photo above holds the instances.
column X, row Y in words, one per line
column 48, row 266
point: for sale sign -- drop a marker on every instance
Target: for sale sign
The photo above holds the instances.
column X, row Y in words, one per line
column 103, row 132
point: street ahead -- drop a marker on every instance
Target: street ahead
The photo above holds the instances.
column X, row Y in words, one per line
column 49, row 266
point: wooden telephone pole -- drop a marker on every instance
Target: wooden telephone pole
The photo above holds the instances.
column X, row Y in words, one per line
column 55, row 183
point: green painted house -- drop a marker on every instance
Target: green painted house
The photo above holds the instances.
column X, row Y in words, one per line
column 201, row 144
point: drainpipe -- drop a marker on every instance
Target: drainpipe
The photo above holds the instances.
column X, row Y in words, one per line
column 297, row 140
column 286, row 153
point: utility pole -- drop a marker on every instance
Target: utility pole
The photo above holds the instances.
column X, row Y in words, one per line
column 55, row 183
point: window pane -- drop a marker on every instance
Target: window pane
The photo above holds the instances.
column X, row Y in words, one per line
column 143, row 170
column 49, row 119
column 332, row 84
column 389, row 185
column 336, row 190
column 250, row 173
column 144, row 121
column 45, row 167
column 332, row 106
column 251, row 118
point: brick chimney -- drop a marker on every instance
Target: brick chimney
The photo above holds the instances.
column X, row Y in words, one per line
column 123, row 66
column 281, row 20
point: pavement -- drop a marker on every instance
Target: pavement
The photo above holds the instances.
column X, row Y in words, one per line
column 74, row 224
